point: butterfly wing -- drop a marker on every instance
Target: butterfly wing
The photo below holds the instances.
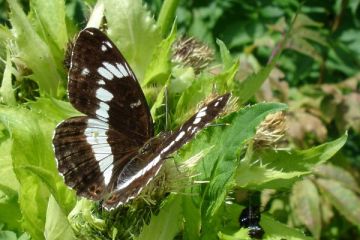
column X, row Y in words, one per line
column 145, row 165
column 102, row 85
column 92, row 150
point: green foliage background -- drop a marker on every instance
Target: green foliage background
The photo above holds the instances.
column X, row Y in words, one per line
column 273, row 56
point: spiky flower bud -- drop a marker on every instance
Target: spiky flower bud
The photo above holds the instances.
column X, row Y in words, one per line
column 270, row 131
column 190, row 52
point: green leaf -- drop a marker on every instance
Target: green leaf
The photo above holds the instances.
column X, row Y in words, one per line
column 158, row 104
column 166, row 224
column 50, row 16
column 7, row 92
column 192, row 217
column 281, row 168
column 134, row 32
column 31, row 134
column 39, row 59
column 159, row 68
column 57, row 225
column 9, row 208
column 248, row 87
column 333, row 172
column 305, row 202
column 7, row 175
column 344, row 200
column 226, row 58
column 221, row 163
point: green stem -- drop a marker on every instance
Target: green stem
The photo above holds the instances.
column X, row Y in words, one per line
column 167, row 16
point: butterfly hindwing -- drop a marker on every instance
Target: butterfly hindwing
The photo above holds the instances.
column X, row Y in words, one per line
column 102, row 85
column 89, row 153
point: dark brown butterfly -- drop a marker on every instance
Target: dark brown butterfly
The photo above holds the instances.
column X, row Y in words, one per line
column 111, row 153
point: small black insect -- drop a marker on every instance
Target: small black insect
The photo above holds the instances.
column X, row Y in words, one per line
column 250, row 219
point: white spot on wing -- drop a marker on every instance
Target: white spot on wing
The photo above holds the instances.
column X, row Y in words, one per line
column 216, row 104
column 103, row 109
column 108, row 43
column 85, row 72
column 103, row 48
column 113, row 69
column 101, row 82
column 108, row 174
column 181, row 134
column 91, row 33
column 122, row 69
column 194, row 130
column 201, row 114
column 203, row 109
column 95, row 133
column 167, row 147
column 105, row 73
column 150, row 165
column 197, row 120
column 104, row 95
column 135, row 104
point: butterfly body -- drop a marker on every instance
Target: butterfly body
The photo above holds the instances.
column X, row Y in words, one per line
column 111, row 153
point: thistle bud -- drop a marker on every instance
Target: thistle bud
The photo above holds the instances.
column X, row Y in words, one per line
column 270, row 131
column 192, row 53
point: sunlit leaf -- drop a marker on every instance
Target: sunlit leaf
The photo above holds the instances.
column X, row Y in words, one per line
column 305, row 203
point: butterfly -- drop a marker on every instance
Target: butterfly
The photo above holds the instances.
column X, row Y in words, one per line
column 111, row 154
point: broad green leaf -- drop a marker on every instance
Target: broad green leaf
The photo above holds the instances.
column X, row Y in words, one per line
column 7, row 92
column 166, row 224
column 159, row 68
column 31, row 134
column 285, row 165
column 7, row 175
column 302, row 160
column 342, row 198
column 57, row 225
column 158, row 104
column 53, row 109
column 305, row 202
column 226, row 58
column 333, row 172
column 134, row 31
column 35, row 194
column 248, row 87
column 192, row 217
column 9, row 208
column 50, row 16
column 39, row 59
column 221, row 163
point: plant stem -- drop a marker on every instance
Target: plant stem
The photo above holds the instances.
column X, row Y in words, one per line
column 167, row 15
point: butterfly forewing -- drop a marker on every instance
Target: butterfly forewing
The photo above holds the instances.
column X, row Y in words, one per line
column 102, row 85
